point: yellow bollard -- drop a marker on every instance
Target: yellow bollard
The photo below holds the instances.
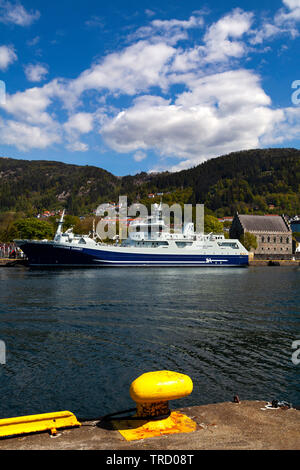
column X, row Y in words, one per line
column 152, row 392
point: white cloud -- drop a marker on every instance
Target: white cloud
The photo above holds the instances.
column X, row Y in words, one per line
column 139, row 156
column 32, row 118
column 15, row 13
column 292, row 15
column 212, row 113
column 135, row 69
column 29, row 105
column 287, row 128
column 36, row 72
column 267, row 31
column 95, row 21
column 77, row 124
column 77, row 147
column 33, row 42
column 25, row 137
column 130, row 71
column 34, row 126
column 149, row 12
column 227, row 91
column 284, row 22
column 7, row 57
column 186, row 60
column 224, row 112
column 170, row 25
column 80, row 122
column 169, row 31
column 220, row 43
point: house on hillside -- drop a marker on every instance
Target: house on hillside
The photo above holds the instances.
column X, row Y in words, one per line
column 225, row 219
column 273, row 234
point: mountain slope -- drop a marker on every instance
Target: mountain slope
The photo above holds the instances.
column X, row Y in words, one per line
column 255, row 181
column 37, row 185
column 247, row 181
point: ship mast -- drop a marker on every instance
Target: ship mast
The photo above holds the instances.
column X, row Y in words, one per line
column 59, row 227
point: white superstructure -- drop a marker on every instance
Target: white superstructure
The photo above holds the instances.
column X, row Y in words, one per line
column 149, row 243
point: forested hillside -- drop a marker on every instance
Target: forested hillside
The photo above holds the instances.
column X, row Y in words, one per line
column 253, row 181
column 34, row 186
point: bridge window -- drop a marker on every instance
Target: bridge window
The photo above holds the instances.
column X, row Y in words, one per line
column 183, row 244
column 228, row 245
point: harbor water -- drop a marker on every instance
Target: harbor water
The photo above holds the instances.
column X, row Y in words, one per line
column 75, row 339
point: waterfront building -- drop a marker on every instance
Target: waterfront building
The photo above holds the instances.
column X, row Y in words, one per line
column 273, row 234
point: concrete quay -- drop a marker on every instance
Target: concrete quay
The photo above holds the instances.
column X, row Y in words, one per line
column 10, row 262
column 275, row 262
column 248, row 425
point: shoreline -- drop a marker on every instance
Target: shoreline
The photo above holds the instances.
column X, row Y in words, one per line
column 274, row 262
column 9, row 263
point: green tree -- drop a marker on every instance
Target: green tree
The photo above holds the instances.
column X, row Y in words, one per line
column 212, row 224
column 32, row 228
column 70, row 221
column 7, row 220
column 248, row 240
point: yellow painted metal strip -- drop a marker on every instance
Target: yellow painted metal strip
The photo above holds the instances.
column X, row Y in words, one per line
column 135, row 430
column 37, row 423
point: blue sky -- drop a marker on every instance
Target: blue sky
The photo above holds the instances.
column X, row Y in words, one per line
column 147, row 86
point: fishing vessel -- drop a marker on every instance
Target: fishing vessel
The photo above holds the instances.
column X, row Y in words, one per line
column 149, row 243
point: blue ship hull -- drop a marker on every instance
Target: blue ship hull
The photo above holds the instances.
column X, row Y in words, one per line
column 52, row 255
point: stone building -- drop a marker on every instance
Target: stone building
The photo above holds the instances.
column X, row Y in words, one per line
column 273, row 234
